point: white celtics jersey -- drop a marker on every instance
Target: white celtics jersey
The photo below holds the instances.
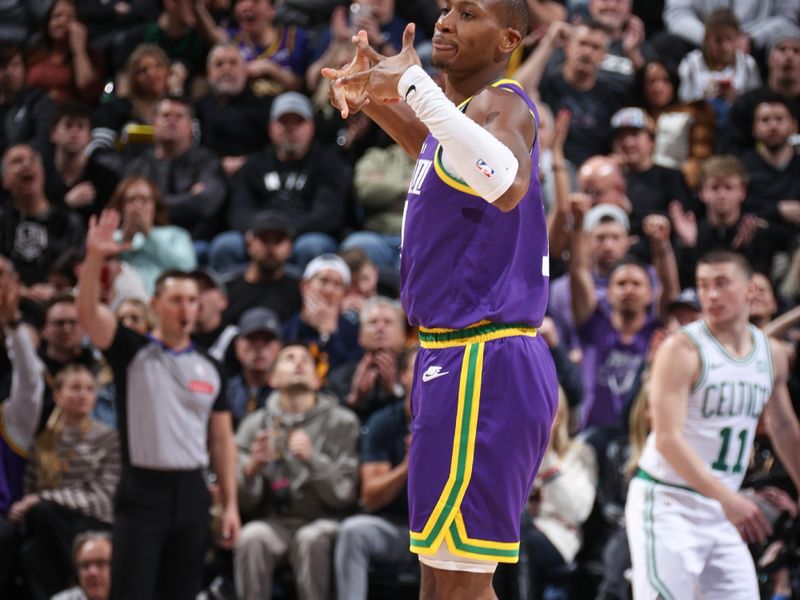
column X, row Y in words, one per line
column 724, row 407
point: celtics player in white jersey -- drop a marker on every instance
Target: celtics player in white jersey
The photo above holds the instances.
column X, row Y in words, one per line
column 687, row 523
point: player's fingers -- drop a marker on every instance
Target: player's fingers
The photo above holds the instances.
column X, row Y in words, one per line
column 339, row 99
column 408, row 37
column 359, row 78
column 362, row 44
column 329, row 73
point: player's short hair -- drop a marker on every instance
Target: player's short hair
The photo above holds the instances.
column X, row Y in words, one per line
column 517, row 16
column 722, row 256
column 722, row 165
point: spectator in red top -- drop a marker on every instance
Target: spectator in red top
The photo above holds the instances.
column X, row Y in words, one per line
column 60, row 60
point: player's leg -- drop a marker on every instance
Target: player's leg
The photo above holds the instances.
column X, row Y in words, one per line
column 458, row 584
column 729, row 573
column 667, row 547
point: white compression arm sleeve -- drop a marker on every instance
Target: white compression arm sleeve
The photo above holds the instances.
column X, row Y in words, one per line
column 485, row 163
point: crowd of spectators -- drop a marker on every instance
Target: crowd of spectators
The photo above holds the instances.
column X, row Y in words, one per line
column 181, row 204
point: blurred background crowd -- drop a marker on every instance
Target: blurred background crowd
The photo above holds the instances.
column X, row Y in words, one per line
column 668, row 128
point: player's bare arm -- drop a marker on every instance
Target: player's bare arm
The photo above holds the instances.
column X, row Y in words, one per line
column 781, row 420
column 503, row 114
column 676, row 368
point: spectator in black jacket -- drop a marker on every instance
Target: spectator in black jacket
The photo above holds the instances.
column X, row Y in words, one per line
column 304, row 180
column 72, row 176
column 233, row 120
column 189, row 176
column 24, row 112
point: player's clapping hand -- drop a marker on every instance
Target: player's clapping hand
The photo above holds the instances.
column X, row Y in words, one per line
column 747, row 518
column 380, row 81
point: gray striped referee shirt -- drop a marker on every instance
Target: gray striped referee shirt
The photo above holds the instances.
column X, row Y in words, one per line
column 164, row 401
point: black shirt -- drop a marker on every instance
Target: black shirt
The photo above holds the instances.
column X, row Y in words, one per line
column 233, row 126
column 34, row 243
column 651, row 191
column 282, row 296
column 311, row 192
column 103, row 178
column 590, row 130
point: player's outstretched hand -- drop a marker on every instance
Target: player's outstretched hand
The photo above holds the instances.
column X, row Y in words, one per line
column 347, row 99
column 380, row 81
column 747, row 518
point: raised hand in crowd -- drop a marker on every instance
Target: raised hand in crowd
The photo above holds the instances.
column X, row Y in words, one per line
column 632, row 39
column 684, row 223
column 656, row 228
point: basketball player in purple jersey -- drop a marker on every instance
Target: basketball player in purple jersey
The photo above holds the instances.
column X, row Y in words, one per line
column 474, row 269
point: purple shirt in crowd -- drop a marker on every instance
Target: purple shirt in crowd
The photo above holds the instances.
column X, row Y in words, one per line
column 463, row 260
column 611, row 367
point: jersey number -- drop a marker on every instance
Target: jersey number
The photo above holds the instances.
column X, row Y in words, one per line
column 721, row 464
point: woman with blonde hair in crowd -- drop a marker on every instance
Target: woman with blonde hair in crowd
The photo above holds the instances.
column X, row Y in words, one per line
column 69, row 483
column 125, row 121
column 560, row 501
column 134, row 314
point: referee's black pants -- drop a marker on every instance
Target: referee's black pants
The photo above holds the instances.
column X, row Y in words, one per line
column 161, row 526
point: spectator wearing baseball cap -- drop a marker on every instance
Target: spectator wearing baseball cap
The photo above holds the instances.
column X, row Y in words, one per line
column 257, row 344
column 265, row 281
column 303, row 178
column 331, row 335
column 607, row 227
column 684, row 309
column 651, row 187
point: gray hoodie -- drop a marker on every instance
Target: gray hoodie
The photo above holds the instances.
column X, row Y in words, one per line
column 289, row 489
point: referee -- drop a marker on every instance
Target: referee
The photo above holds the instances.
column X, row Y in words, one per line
column 173, row 417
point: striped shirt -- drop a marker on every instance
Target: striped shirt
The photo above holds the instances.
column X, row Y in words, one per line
column 164, row 401
column 90, row 471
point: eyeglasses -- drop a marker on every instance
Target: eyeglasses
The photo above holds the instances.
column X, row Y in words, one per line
column 99, row 563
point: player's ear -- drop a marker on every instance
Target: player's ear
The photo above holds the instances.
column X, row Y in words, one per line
column 509, row 39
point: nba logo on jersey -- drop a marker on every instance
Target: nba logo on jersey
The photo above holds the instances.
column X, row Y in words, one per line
column 484, row 168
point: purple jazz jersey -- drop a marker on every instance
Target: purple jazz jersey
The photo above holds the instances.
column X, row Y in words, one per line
column 464, row 260
column 482, row 414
